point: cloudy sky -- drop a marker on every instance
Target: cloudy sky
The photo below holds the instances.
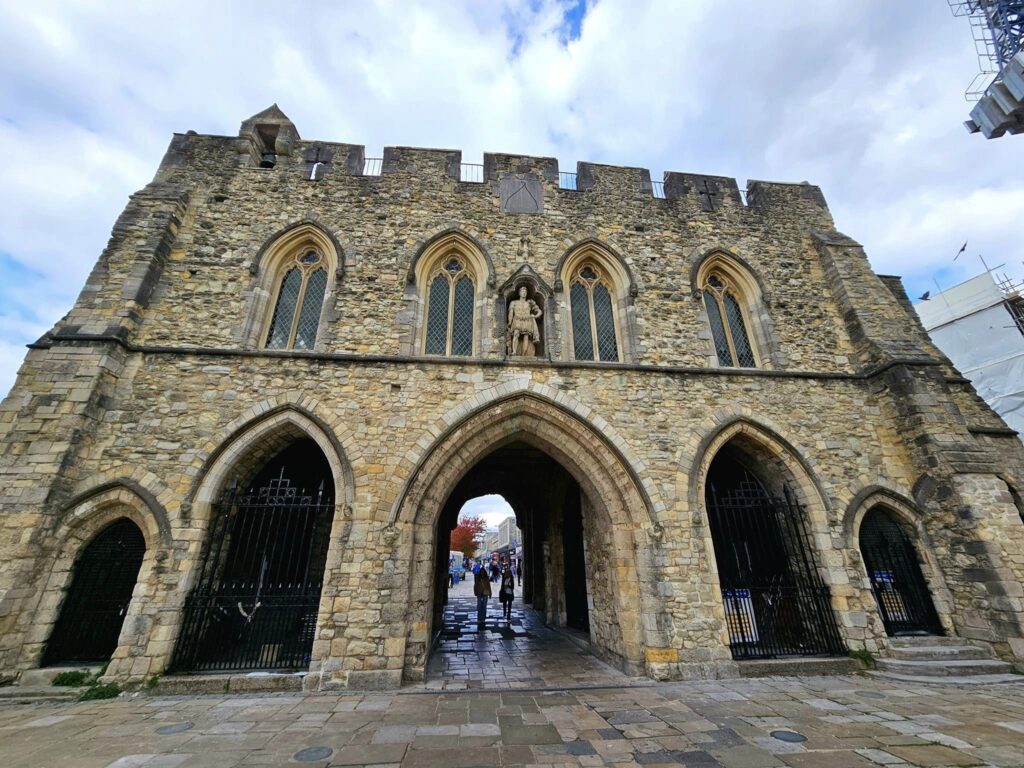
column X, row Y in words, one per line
column 492, row 508
column 863, row 98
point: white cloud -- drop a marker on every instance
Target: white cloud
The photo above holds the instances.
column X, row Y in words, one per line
column 863, row 99
column 492, row 508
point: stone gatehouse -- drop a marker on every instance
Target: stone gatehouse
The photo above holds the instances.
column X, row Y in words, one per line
column 724, row 437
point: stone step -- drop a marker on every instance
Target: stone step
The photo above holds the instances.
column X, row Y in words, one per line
column 44, row 676
column 939, row 653
column 30, row 694
column 953, row 679
column 240, row 682
column 908, row 641
column 945, row 668
column 798, row 667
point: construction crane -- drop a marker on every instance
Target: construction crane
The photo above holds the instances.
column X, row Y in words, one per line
column 998, row 30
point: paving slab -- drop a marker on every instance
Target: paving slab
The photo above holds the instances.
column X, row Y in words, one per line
column 846, row 721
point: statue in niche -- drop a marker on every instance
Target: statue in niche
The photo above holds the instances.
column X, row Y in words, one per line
column 523, row 334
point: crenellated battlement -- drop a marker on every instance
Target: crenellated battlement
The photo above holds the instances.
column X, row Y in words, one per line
column 270, row 143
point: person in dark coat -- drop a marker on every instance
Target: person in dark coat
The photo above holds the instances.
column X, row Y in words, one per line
column 482, row 590
column 507, row 592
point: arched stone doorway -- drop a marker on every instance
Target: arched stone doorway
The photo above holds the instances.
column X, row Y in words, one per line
column 897, row 581
column 255, row 602
column 565, row 577
column 102, row 582
column 561, row 477
column 776, row 602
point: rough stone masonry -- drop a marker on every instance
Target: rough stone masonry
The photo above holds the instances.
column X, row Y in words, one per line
column 157, row 391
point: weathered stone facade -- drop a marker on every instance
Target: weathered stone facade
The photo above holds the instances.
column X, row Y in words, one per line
column 155, row 392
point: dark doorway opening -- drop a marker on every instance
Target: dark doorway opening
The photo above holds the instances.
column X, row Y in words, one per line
column 549, row 508
column 102, row 583
column 776, row 603
column 900, row 591
column 255, row 604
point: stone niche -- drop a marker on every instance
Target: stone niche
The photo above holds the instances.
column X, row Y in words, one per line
column 540, row 295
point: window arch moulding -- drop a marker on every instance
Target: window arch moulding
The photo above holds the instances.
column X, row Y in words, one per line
column 596, row 304
column 448, row 284
column 734, row 310
column 296, row 274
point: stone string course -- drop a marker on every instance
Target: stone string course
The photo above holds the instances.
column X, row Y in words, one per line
column 152, row 394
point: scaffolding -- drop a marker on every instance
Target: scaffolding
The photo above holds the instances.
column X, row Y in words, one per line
column 998, row 30
column 997, row 27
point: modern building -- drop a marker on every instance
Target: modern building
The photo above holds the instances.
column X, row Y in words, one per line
column 724, row 438
column 979, row 326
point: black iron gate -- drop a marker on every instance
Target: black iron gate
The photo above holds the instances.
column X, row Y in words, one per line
column 256, row 603
column 899, row 587
column 101, row 588
column 776, row 603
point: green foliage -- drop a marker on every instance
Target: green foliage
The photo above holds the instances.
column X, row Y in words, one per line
column 151, row 682
column 73, row 678
column 865, row 657
column 101, row 691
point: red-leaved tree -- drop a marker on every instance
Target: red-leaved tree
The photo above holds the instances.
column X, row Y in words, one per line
column 467, row 535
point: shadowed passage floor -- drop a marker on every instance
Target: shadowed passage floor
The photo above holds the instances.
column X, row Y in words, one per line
column 520, row 653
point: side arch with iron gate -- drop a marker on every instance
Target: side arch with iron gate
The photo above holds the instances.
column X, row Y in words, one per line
column 258, row 589
column 900, row 511
column 81, row 523
column 897, row 581
column 94, row 609
column 766, row 535
column 228, row 492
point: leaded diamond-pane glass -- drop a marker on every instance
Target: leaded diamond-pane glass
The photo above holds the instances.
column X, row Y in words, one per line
column 718, row 330
column 437, row 317
column 582, row 341
column 744, row 354
column 284, row 312
column 309, row 315
column 605, row 321
column 462, row 317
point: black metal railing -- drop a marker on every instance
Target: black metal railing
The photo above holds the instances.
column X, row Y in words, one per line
column 372, row 166
column 899, row 587
column 658, row 189
column 767, row 622
column 776, row 602
column 471, row 172
column 567, row 181
column 256, row 603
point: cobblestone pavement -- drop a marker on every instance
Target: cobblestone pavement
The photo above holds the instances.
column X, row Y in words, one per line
column 521, row 653
column 837, row 722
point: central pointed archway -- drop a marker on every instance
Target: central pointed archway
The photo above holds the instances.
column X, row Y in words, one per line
column 613, row 510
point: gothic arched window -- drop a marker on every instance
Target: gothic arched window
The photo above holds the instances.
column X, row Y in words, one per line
column 728, row 326
column 300, row 297
column 592, row 307
column 450, row 302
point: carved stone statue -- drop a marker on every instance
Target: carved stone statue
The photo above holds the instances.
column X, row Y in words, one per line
column 523, row 334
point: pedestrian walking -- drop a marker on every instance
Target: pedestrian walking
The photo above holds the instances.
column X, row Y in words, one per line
column 507, row 592
column 482, row 590
column 519, row 571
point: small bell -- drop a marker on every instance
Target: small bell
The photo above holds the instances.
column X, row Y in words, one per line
column 269, row 160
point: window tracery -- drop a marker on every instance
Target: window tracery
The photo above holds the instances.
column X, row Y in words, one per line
column 451, row 296
column 300, row 296
column 728, row 324
column 592, row 309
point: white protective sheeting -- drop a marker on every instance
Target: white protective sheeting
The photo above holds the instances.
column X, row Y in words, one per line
column 973, row 327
